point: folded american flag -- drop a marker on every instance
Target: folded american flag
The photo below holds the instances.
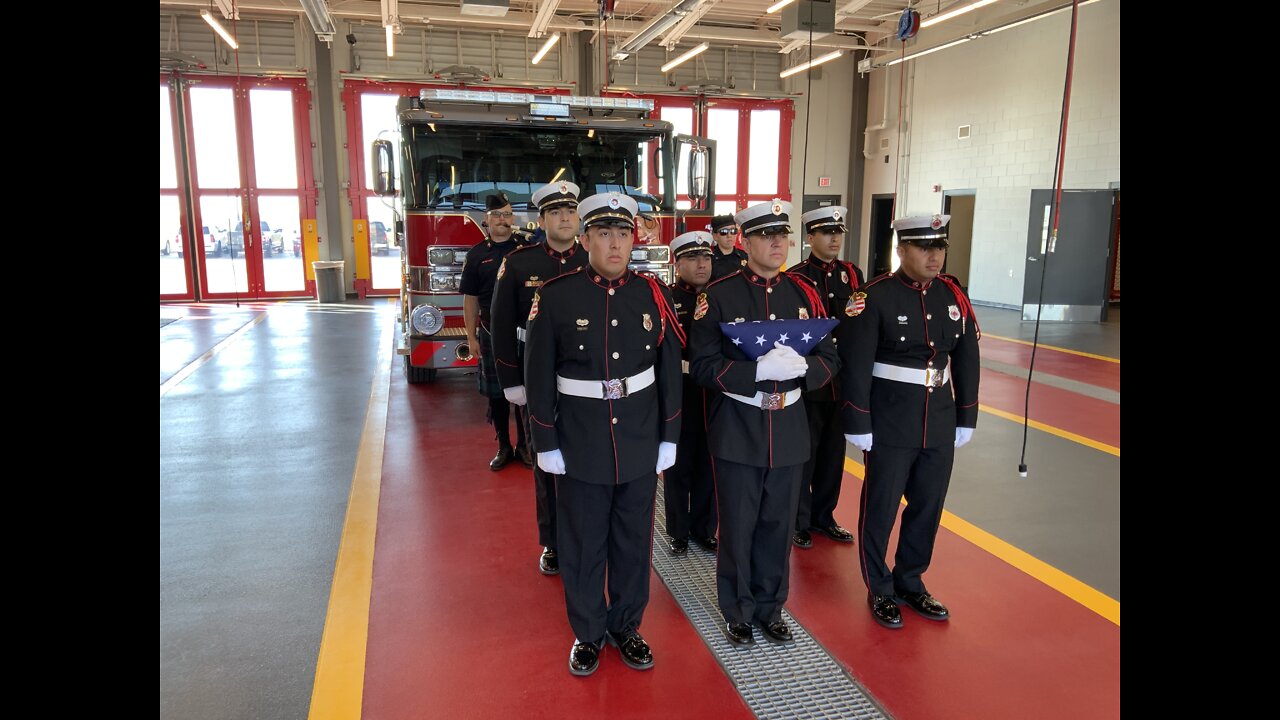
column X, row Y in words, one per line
column 755, row 338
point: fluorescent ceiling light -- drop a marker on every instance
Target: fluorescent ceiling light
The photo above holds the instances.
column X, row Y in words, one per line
column 217, row 27
column 778, row 6
column 546, row 47
column 391, row 41
column 685, row 57
column 954, row 13
column 812, row 63
column 557, row 177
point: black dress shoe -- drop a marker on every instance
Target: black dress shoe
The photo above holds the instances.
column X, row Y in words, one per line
column 802, row 539
column 635, row 651
column 549, row 563
column 777, row 632
column 885, row 611
column 524, row 456
column 926, row 604
column 680, row 547
column 707, row 543
column 584, row 658
column 739, row 633
column 837, row 533
column 503, row 457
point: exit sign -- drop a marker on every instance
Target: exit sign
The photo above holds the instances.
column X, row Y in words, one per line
column 824, row 182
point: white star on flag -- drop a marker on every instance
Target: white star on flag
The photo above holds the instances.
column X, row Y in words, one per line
column 736, row 341
column 806, row 337
column 760, row 340
column 783, row 338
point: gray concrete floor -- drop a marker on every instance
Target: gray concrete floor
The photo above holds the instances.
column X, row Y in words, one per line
column 257, row 450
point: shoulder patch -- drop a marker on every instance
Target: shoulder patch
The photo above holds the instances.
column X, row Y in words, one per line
column 533, row 309
column 700, row 310
column 857, row 303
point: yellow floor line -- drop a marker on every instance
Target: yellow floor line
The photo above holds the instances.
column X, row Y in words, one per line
column 1091, row 598
column 1109, row 449
column 1054, row 347
column 339, row 686
column 196, row 364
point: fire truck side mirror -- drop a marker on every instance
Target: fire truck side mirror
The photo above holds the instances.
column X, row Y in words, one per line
column 384, row 177
column 698, row 176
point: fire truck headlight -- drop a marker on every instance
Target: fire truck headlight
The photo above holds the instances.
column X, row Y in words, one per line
column 427, row 319
column 440, row 256
column 445, row 282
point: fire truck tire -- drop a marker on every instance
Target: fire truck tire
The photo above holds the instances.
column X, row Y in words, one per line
column 417, row 375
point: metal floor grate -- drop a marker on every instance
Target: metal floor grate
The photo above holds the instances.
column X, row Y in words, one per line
column 788, row 682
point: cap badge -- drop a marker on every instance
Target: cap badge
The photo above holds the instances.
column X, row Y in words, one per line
column 564, row 189
column 613, row 202
column 835, row 214
column 936, row 223
column 777, row 208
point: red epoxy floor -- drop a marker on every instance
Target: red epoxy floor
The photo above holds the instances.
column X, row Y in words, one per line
column 462, row 625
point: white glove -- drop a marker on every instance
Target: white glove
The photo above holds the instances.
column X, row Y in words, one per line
column 862, row 442
column 780, row 363
column 963, row 435
column 515, row 395
column 551, row 462
column 666, row 456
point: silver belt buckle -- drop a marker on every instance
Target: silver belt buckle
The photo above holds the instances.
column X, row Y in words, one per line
column 614, row 389
column 772, row 401
column 932, row 377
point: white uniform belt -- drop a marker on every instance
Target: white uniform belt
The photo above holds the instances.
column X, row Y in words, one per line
column 520, row 334
column 684, row 366
column 768, row 401
column 606, row 389
column 929, row 377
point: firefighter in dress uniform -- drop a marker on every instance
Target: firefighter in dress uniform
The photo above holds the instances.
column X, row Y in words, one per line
column 836, row 280
column 756, row 422
column 910, row 386
column 519, row 277
column 689, row 486
column 602, row 373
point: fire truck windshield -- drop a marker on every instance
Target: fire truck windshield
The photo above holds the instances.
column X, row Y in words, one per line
column 458, row 166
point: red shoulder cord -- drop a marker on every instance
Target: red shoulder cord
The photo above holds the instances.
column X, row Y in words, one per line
column 811, row 293
column 667, row 314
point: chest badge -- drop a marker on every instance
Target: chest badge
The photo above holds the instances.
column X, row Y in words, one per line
column 844, row 277
column 857, row 303
column 648, row 322
column 953, row 312
column 804, row 313
column 700, row 310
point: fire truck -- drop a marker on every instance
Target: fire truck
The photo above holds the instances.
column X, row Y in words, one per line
column 456, row 147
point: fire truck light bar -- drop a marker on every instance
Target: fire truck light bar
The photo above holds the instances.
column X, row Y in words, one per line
column 580, row 101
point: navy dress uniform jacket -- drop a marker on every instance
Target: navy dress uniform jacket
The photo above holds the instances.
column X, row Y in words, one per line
column 904, row 323
column 585, row 327
column 523, row 271
column 739, row 432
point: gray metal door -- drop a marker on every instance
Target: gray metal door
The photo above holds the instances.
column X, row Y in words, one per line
column 1078, row 264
